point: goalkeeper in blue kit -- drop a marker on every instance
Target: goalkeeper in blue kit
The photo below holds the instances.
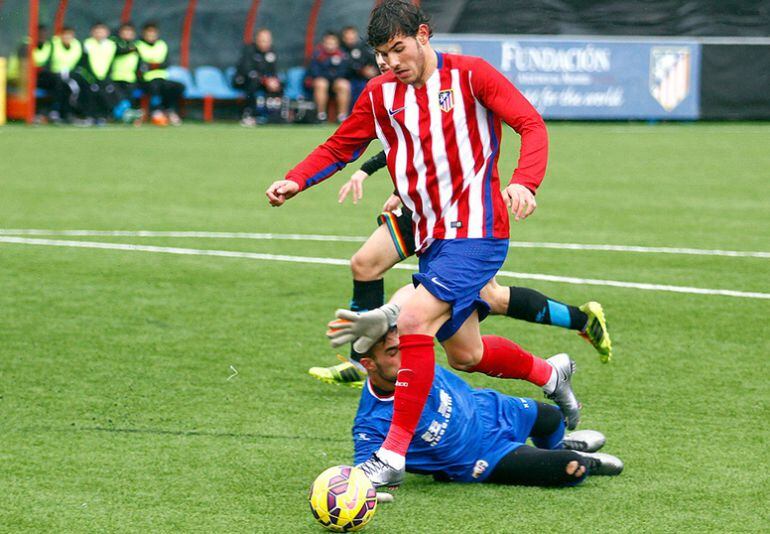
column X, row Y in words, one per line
column 466, row 434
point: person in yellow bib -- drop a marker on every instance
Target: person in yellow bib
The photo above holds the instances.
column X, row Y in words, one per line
column 93, row 73
column 164, row 93
column 66, row 53
column 124, row 74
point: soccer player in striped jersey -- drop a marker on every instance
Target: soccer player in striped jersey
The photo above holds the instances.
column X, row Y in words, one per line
column 439, row 118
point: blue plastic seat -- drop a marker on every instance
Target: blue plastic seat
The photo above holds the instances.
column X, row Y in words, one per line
column 183, row 76
column 295, row 84
column 211, row 81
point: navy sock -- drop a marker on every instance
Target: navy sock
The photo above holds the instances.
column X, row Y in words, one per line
column 366, row 296
column 530, row 305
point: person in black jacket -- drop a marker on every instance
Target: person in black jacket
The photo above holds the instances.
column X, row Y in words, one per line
column 363, row 66
column 257, row 75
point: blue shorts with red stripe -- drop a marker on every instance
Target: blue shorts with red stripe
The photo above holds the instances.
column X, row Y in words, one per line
column 455, row 271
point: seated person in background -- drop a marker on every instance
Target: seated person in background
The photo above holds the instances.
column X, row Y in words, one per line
column 329, row 72
column 66, row 52
column 93, row 75
column 257, row 75
column 363, row 66
column 124, row 73
column 164, row 93
column 41, row 54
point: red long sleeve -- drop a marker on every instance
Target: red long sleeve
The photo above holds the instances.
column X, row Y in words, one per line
column 344, row 146
column 499, row 95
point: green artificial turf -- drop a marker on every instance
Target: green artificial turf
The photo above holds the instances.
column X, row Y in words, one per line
column 119, row 411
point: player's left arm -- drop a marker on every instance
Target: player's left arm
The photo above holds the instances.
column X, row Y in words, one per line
column 500, row 96
column 344, row 146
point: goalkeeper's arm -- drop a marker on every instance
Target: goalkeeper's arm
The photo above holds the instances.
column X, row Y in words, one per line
column 366, row 328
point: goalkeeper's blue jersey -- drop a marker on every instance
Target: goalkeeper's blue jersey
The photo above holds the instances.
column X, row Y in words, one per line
column 463, row 432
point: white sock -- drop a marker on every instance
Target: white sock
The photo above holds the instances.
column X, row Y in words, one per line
column 550, row 386
column 393, row 459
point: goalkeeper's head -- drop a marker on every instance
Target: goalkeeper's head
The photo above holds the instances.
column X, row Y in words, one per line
column 382, row 360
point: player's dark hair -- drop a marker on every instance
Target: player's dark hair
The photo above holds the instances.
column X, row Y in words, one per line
column 329, row 33
column 66, row 29
column 99, row 23
column 150, row 26
column 392, row 18
column 126, row 25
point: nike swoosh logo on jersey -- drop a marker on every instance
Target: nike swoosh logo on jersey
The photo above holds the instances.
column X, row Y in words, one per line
column 392, row 112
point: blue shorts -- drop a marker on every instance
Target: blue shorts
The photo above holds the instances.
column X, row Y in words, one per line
column 455, row 271
column 507, row 423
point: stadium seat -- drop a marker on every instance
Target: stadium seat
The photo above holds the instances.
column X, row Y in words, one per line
column 183, row 76
column 211, row 81
column 295, row 84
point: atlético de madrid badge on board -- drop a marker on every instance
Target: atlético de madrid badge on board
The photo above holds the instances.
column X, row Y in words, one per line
column 670, row 75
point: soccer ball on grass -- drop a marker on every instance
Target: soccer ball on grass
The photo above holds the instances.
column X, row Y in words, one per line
column 343, row 499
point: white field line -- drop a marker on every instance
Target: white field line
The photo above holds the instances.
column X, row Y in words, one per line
column 361, row 239
column 343, row 262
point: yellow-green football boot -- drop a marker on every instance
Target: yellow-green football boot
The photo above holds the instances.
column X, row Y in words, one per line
column 344, row 373
column 596, row 330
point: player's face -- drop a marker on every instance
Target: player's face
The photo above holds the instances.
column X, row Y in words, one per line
column 264, row 40
column 381, row 64
column 67, row 38
column 387, row 358
column 100, row 33
column 350, row 37
column 331, row 43
column 150, row 35
column 405, row 56
column 127, row 34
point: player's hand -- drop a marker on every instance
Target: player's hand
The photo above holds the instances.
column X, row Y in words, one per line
column 392, row 204
column 362, row 329
column 520, row 201
column 281, row 191
column 356, row 185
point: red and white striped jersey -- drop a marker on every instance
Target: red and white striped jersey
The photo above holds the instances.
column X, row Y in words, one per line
column 442, row 142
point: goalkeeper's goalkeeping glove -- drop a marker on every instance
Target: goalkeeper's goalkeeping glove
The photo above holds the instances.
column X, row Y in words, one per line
column 362, row 329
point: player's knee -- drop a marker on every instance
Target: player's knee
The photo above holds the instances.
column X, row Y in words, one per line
column 465, row 360
column 341, row 84
column 364, row 267
column 497, row 297
column 411, row 322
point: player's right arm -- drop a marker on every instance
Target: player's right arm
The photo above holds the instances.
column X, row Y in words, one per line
column 344, row 146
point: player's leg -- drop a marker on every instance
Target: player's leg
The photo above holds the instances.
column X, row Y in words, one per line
column 420, row 318
column 154, row 88
column 342, row 94
column 321, row 96
column 529, row 305
column 391, row 242
column 467, row 350
column 171, row 93
column 530, row 466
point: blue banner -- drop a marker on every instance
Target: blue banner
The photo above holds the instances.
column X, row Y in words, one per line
column 594, row 78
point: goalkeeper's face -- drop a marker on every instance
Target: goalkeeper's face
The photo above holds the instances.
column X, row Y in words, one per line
column 384, row 358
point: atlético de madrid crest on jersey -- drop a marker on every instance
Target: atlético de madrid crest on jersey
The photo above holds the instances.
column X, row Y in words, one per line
column 446, row 99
